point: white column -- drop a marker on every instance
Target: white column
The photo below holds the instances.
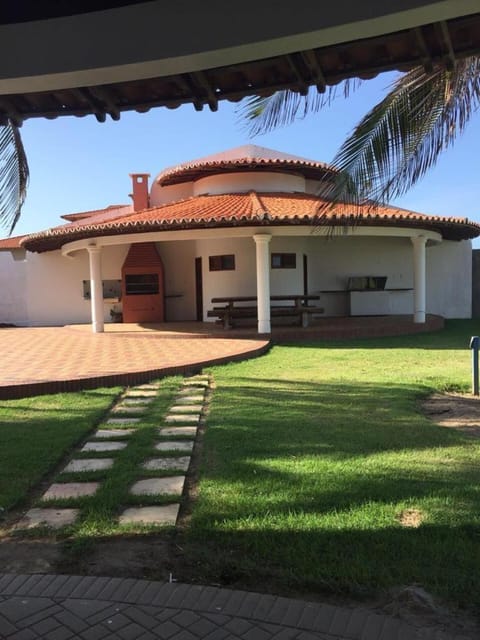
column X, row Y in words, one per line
column 419, row 279
column 96, row 290
column 263, row 281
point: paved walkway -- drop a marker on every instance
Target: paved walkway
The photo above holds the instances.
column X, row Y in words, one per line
column 52, row 359
column 64, row 607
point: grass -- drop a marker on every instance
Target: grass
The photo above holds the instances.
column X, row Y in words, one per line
column 311, row 455
column 313, row 452
column 36, row 433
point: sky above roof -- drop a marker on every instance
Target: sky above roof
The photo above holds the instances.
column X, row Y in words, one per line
column 77, row 164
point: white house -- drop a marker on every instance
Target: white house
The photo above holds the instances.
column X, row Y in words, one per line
column 245, row 222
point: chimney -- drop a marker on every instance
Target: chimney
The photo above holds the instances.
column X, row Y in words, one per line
column 140, row 195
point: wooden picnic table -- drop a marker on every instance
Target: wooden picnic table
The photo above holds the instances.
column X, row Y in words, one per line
column 235, row 307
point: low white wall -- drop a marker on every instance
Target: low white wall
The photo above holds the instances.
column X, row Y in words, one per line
column 449, row 278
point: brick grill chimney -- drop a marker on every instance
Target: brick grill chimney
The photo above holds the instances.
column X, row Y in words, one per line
column 140, row 195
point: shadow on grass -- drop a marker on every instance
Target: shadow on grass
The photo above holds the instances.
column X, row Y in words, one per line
column 303, row 484
column 354, row 562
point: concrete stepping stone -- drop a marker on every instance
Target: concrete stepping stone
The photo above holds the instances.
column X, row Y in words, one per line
column 165, row 514
column 88, row 464
column 184, row 418
column 172, row 485
column 113, row 433
column 122, row 420
column 147, row 393
column 189, row 391
column 180, row 463
column 125, row 408
column 54, row 518
column 137, row 401
column 189, row 400
column 70, row 490
column 196, row 382
column 174, row 445
column 189, row 408
column 148, row 385
column 104, row 446
column 190, row 432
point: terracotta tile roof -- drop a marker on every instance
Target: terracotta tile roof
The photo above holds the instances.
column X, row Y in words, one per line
column 7, row 244
column 73, row 217
column 189, row 171
column 247, row 209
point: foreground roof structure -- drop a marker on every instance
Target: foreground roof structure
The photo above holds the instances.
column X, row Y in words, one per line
column 147, row 54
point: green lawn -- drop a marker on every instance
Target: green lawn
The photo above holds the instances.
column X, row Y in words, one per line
column 311, row 454
column 35, row 434
column 38, row 435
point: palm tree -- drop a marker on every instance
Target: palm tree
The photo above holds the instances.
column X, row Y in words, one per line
column 398, row 141
column 13, row 175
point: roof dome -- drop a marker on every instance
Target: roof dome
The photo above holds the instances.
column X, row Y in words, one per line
column 247, row 157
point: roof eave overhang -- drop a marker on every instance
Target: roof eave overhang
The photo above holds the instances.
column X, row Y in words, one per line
column 254, row 48
column 446, row 231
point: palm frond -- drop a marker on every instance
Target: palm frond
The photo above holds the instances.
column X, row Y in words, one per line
column 14, row 175
column 261, row 114
column 402, row 137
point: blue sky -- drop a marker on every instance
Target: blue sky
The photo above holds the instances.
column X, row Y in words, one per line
column 77, row 164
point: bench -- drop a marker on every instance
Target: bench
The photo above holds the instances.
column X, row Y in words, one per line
column 230, row 312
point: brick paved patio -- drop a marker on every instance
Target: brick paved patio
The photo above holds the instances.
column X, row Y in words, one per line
column 53, row 359
column 86, row 608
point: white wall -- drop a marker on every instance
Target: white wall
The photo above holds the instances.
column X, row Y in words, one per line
column 239, row 182
column 241, row 282
column 47, row 288
column 13, row 302
column 263, row 181
column 449, row 278
column 179, row 264
column 162, row 195
column 54, row 285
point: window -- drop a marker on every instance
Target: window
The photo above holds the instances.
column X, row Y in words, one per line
column 284, row 260
column 221, row 263
column 142, row 284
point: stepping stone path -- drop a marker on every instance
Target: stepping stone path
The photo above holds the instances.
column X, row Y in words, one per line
column 122, row 420
column 170, row 454
column 159, row 486
column 112, row 445
column 122, row 408
column 70, row 490
column 179, row 463
column 165, row 514
column 113, row 433
column 54, row 518
column 88, row 464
